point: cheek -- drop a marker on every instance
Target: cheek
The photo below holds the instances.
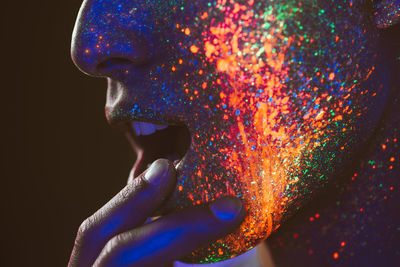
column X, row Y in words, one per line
column 307, row 55
column 275, row 100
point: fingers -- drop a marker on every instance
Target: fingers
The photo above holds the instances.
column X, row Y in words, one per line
column 173, row 236
column 128, row 209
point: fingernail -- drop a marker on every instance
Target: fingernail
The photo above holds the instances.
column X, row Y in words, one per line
column 156, row 171
column 226, row 209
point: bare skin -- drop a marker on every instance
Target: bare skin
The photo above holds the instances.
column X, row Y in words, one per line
column 116, row 235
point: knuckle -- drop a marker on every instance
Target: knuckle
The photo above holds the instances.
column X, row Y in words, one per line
column 87, row 230
column 109, row 251
column 125, row 192
column 113, row 244
column 130, row 189
column 86, row 227
column 81, row 235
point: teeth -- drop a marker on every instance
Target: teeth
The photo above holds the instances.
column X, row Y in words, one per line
column 160, row 126
column 145, row 128
column 175, row 163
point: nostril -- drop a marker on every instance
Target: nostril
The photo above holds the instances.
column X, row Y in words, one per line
column 111, row 63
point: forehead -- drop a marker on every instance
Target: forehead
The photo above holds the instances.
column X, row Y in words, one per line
column 228, row 7
column 163, row 20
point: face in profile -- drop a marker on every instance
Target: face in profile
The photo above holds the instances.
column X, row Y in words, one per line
column 265, row 100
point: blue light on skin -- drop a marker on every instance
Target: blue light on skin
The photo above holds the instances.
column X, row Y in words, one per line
column 148, row 248
column 119, row 22
column 110, row 227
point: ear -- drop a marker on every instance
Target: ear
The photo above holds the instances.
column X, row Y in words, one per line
column 387, row 13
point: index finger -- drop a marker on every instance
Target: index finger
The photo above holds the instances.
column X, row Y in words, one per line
column 173, row 236
column 128, row 209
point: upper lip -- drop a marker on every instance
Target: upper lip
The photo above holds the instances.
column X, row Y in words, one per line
column 171, row 143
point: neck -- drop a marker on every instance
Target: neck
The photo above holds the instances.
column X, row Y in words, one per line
column 257, row 257
column 356, row 217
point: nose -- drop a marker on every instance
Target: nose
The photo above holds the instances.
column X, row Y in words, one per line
column 104, row 38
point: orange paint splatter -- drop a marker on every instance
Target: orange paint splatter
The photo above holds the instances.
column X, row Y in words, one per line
column 194, row 49
column 222, row 65
column 265, row 147
column 335, row 255
column 204, row 15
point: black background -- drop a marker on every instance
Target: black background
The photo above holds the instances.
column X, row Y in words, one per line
column 60, row 160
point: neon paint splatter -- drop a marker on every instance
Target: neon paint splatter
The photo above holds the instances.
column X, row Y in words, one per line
column 271, row 138
column 387, row 13
column 277, row 95
column 352, row 212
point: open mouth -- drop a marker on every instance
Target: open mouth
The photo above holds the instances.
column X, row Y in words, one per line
column 153, row 141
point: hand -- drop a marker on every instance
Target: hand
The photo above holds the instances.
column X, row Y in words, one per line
column 117, row 236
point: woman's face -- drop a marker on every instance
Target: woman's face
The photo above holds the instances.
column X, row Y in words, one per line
column 277, row 96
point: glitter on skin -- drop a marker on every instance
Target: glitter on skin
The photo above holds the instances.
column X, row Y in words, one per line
column 387, row 13
column 268, row 136
column 352, row 212
column 272, row 92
